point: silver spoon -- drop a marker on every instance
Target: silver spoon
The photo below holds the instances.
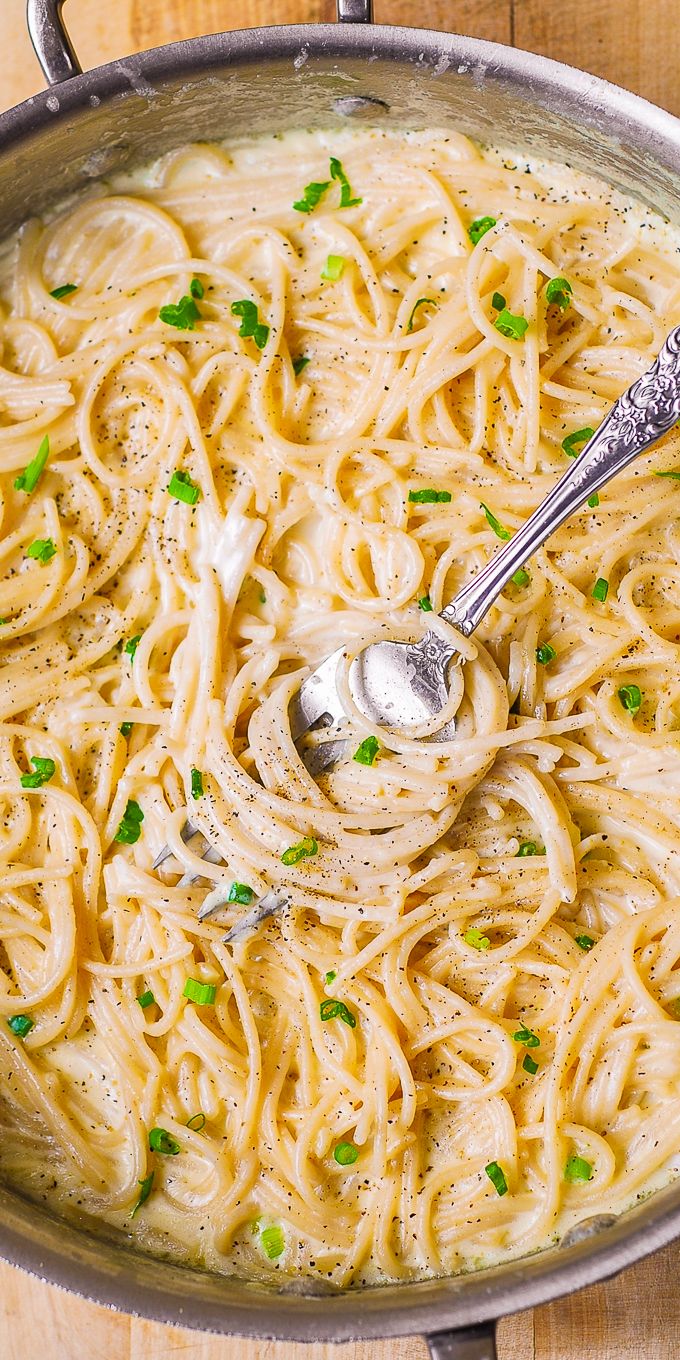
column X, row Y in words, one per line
column 399, row 684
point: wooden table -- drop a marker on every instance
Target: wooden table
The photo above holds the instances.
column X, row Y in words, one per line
column 637, row 44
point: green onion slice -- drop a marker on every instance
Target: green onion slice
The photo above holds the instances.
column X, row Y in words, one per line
column 64, row 290
column 571, row 445
column 476, row 938
column 332, row 1009
column 428, row 496
column 202, row 993
column 422, row 302
column 312, row 196
column 241, row 893
column 330, row 977
column 527, row 1037
column 479, row 228
column 125, row 729
column 497, row 1178
column 333, row 267
column 197, row 1123
column 131, row 646
column 182, row 488
column 530, row 1065
column 196, row 289
column 495, row 524
column 367, row 751
column 337, row 173
column 585, row 942
column 520, row 577
column 44, row 769
column 272, row 1241
column 300, row 363
column 251, row 327
column 600, row 589
column 594, row 501
column 675, row 474
column 196, row 784
column 29, row 478
column 631, row 698
column 303, row 850
column 425, row 604
column 183, row 315
column 497, row 301
column 21, row 1025
column 345, row 1154
column 528, row 848
column 545, row 653
column 511, row 326
column 559, row 292
column 146, row 1186
column 577, row 1169
column 42, row 550
column 162, row 1141
column 146, row 999
column 130, row 828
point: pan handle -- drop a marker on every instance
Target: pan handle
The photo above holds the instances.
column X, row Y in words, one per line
column 56, row 53
column 465, row 1343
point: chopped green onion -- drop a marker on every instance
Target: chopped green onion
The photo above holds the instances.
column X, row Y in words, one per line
column 251, row 327
column 520, row 577
column 594, row 501
column 497, row 1177
column 183, row 489
column 495, row 524
column 425, row 604
column 145, row 1191
column 545, row 653
column 585, row 942
column 428, row 496
column 300, row 363
column 194, row 1123
column 131, row 646
column 631, row 698
column 241, row 893
column 130, row 828
column 303, row 850
column 479, row 228
column 162, row 1141
column 196, row 289
column 345, row 1154
column 331, row 1009
column 272, row 1241
column 367, row 751
column 196, row 784
column 476, row 939
column 125, row 729
column 559, row 292
column 21, row 1025
column 528, row 848
column 511, row 326
column 330, row 977
column 577, row 1169
column 498, row 301
column 64, row 290
column 600, row 589
column 44, row 769
column 431, row 302
column 673, row 473
column 570, row 444
column 527, row 1037
column 312, row 196
column 337, row 173
column 203, row 993
column 29, row 478
column 146, row 999
column 183, row 315
column 42, row 549
column 530, row 1065
column 333, row 267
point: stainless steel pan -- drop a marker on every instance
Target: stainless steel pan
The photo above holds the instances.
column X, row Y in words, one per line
column 254, row 81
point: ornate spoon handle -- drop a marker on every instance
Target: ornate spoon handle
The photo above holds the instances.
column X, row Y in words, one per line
column 647, row 409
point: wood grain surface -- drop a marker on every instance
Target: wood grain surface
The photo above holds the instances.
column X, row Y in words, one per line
column 635, row 43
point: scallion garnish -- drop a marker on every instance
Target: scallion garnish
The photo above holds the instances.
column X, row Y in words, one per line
column 600, row 590
column 431, row 302
column 594, row 501
column 545, row 653
column 183, row 315
column 585, row 942
column 367, row 751
column 196, row 289
column 251, row 327
column 333, row 268
column 559, row 292
column 530, row 1065
column 130, row 828
column 312, row 196
column 511, row 326
column 330, row 977
column 196, row 1123
column 528, row 848
column 338, row 174
column 300, row 363
column 241, row 893
column 21, row 1025
column 182, row 488
column 675, row 474
column 331, row 1009
column 202, row 993
column 520, row 577
column 131, row 646
column 495, row 524
column 29, row 478
column 631, row 698
column 479, row 228
column 146, row 1186
column 303, row 850
column 345, row 1154
column 272, row 1241
column 497, row 301
column 125, row 729
column 425, row 604
column 42, row 549
column 146, row 999
column 44, row 769
column 527, row 1037
column 196, row 784
column 64, row 290
column 497, row 1178
column 428, row 496
column 572, row 442
column 476, row 938
column 577, row 1169
column 162, row 1141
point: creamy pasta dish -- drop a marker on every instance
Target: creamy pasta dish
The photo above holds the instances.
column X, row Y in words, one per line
column 257, row 403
